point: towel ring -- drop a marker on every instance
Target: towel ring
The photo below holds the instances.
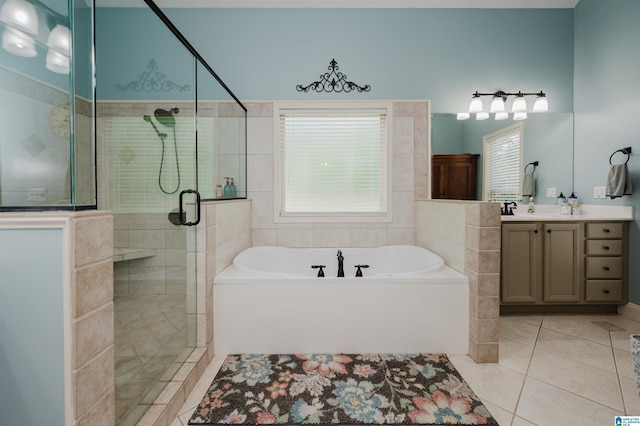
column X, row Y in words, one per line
column 626, row 151
column 534, row 164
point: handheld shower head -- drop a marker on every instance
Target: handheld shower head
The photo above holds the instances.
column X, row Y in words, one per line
column 165, row 117
column 147, row 118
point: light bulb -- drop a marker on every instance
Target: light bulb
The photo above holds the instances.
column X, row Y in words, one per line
column 18, row 43
column 20, row 15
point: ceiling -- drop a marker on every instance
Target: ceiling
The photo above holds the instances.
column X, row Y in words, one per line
column 467, row 4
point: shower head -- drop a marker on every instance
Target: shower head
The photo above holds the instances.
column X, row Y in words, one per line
column 165, row 117
column 147, row 118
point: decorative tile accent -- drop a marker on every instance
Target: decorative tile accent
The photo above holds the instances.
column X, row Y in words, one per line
column 34, row 145
column 127, row 155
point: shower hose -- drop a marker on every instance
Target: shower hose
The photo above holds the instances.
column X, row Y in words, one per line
column 175, row 148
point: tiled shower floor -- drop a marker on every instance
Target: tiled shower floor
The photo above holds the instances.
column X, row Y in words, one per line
column 150, row 345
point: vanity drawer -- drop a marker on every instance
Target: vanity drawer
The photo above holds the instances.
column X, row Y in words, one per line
column 604, row 247
column 604, row 230
column 604, row 291
column 604, row 267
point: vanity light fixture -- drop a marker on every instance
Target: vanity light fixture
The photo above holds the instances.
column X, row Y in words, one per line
column 498, row 107
column 21, row 15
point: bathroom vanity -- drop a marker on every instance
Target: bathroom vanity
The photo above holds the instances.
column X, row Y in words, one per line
column 565, row 263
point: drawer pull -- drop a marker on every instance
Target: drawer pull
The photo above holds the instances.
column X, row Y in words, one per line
column 605, row 291
column 606, row 230
column 535, row 231
column 605, row 247
column 605, row 268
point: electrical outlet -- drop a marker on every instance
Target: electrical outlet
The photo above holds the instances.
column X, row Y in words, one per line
column 37, row 195
column 599, row 192
column 551, row 193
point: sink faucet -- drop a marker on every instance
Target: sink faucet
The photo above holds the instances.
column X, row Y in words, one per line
column 506, row 210
column 340, row 264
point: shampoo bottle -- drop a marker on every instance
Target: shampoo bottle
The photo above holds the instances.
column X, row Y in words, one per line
column 227, row 189
column 233, row 190
column 532, row 207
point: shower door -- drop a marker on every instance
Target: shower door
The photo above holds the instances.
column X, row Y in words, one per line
column 146, row 137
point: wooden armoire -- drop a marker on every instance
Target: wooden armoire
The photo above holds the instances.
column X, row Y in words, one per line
column 453, row 176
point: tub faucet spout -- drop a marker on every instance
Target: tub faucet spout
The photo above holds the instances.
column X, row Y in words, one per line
column 340, row 264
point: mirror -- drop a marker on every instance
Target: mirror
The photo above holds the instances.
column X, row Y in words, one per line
column 548, row 139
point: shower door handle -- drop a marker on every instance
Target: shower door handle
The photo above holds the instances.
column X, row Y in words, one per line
column 183, row 215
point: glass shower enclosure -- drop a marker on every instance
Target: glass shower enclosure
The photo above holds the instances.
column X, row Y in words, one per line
column 168, row 132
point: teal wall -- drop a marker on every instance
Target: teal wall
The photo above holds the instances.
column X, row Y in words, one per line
column 440, row 54
column 31, row 327
column 607, row 99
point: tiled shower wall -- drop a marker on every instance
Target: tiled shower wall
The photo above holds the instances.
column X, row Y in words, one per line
column 410, row 168
column 162, row 273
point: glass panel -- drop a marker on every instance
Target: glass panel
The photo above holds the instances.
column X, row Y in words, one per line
column 146, row 136
column 221, row 140
column 46, row 142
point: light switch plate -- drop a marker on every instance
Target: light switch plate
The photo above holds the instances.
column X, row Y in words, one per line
column 599, row 192
column 551, row 193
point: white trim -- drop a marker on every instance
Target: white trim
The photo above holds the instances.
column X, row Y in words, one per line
column 348, row 106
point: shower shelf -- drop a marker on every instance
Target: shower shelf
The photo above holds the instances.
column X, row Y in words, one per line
column 120, row 254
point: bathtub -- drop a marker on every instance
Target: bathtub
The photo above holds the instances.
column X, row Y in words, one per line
column 270, row 300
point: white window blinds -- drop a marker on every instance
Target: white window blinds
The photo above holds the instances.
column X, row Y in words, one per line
column 503, row 162
column 333, row 163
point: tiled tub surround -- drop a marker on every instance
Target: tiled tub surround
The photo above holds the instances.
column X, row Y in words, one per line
column 42, row 144
column 410, row 169
column 466, row 234
column 88, row 281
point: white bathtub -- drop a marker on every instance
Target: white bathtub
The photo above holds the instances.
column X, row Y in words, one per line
column 270, row 300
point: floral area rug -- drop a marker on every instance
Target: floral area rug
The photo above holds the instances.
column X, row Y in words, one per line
column 423, row 389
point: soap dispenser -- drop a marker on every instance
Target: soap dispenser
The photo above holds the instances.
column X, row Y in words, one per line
column 234, row 191
column 573, row 199
column 531, row 208
column 561, row 199
column 227, row 188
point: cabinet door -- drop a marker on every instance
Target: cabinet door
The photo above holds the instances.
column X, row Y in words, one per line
column 562, row 262
column 521, row 263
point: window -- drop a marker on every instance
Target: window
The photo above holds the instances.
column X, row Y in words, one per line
column 332, row 163
column 502, row 164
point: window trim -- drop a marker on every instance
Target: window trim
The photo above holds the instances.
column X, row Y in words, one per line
column 485, row 153
column 347, row 106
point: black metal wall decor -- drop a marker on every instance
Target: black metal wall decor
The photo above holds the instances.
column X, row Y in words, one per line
column 333, row 81
column 152, row 81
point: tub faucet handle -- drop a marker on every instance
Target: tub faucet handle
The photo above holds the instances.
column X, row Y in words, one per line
column 359, row 271
column 320, row 272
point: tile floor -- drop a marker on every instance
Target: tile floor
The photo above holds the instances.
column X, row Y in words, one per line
column 150, row 345
column 553, row 370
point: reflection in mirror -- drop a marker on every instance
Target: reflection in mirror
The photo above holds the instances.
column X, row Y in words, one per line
column 46, row 145
column 547, row 138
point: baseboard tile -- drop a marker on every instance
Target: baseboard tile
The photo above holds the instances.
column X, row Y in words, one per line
column 630, row 310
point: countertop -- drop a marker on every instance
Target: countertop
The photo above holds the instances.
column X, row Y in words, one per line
column 551, row 213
